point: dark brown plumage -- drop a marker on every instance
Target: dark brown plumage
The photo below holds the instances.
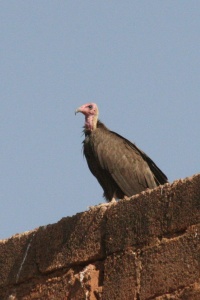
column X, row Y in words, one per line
column 120, row 167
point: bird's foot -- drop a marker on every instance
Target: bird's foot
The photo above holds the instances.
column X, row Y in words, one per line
column 103, row 204
column 99, row 205
column 113, row 200
column 126, row 197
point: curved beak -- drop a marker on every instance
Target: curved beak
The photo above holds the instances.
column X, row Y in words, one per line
column 77, row 110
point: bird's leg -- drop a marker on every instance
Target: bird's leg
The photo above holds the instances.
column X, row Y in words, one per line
column 113, row 200
column 102, row 204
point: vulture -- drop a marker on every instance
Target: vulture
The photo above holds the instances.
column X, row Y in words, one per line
column 121, row 168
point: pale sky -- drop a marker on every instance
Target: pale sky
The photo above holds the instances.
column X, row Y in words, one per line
column 138, row 60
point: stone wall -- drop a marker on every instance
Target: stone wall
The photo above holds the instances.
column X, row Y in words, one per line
column 146, row 247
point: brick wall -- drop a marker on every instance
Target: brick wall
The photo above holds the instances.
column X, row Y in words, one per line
column 146, row 247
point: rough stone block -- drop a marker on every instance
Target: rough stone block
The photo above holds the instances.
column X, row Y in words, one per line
column 172, row 264
column 155, row 213
column 191, row 292
column 144, row 248
column 120, row 276
column 73, row 240
column 78, row 283
column 17, row 258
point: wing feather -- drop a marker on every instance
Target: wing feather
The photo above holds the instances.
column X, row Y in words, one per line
column 112, row 158
column 123, row 161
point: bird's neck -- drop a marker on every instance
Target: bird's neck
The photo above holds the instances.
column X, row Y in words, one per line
column 90, row 122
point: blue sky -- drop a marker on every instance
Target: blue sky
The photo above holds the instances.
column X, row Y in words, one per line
column 138, row 60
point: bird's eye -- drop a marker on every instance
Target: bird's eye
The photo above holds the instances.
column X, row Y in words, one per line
column 90, row 106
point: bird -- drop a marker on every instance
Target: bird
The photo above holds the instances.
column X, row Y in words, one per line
column 121, row 168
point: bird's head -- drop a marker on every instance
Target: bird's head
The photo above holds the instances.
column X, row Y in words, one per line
column 91, row 112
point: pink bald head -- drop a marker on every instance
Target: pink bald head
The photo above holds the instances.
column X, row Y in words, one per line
column 90, row 110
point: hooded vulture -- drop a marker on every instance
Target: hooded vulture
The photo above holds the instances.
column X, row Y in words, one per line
column 121, row 168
